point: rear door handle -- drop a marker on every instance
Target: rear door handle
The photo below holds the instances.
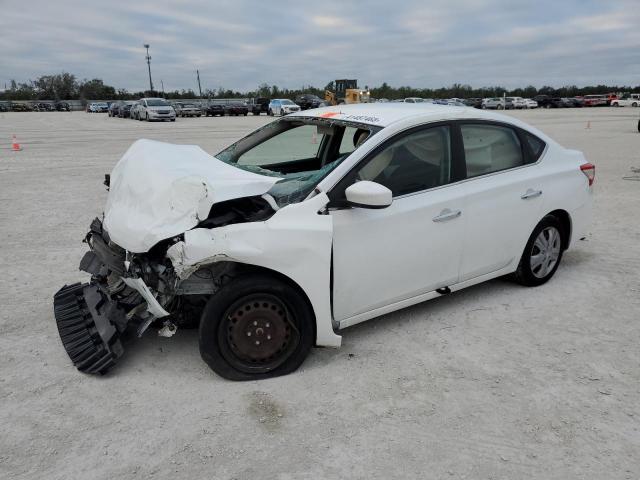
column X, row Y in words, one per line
column 447, row 214
column 531, row 193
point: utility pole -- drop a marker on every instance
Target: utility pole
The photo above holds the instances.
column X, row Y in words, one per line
column 162, row 84
column 148, row 57
column 199, row 87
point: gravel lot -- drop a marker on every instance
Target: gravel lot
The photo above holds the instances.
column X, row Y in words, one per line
column 494, row 382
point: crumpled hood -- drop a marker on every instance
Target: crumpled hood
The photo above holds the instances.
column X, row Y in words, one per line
column 159, row 190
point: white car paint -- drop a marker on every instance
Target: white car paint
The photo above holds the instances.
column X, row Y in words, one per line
column 530, row 103
column 148, row 111
column 152, row 196
column 632, row 100
column 383, row 259
column 282, row 106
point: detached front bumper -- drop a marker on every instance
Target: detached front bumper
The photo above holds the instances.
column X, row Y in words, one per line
column 92, row 316
column 89, row 327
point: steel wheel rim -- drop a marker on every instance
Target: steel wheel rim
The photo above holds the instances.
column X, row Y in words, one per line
column 545, row 252
column 258, row 334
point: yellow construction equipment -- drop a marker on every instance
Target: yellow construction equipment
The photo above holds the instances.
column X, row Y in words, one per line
column 347, row 91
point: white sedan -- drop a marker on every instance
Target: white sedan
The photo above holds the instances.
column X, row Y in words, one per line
column 315, row 222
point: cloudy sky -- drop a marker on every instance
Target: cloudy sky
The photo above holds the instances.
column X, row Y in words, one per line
column 241, row 43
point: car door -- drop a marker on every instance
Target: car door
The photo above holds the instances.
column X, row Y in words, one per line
column 385, row 256
column 504, row 190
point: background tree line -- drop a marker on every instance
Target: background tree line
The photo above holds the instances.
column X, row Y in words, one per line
column 65, row 86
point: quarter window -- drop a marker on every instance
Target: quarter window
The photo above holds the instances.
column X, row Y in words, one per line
column 490, row 148
column 536, row 145
column 417, row 161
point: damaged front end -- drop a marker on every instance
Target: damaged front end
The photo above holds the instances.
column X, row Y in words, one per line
column 127, row 292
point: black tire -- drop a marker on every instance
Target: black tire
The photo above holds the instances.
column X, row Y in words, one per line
column 270, row 113
column 260, row 305
column 525, row 274
column 638, row 125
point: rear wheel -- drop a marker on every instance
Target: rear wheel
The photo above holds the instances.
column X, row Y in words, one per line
column 542, row 254
column 256, row 327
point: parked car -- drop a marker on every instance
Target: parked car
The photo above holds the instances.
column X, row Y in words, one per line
column 594, row 100
column 151, row 109
column 300, row 230
column 212, row 109
column 62, row 106
column 307, row 101
column 258, row 105
column 97, row 107
column 492, row 103
column 187, row 109
column 611, row 97
column 124, row 111
column 236, row 108
column 542, row 100
column 413, row 100
column 473, row 102
column 21, row 107
column 630, row 100
column 282, row 106
column 114, row 109
column 134, row 112
column 530, row 103
column 515, row 103
column 545, row 101
column 43, row 107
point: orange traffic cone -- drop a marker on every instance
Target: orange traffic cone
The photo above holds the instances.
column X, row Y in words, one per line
column 15, row 146
column 588, row 127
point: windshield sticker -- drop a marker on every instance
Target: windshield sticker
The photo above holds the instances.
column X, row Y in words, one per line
column 355, row 118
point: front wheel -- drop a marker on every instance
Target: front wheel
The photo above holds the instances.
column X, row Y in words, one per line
column 542, row 254
column 270, row 113
column 255, row 327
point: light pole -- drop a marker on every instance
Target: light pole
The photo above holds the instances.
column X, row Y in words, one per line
column 148, row 57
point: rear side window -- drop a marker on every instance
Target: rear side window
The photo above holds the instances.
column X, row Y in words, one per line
column 490, row 148
column 536, row 145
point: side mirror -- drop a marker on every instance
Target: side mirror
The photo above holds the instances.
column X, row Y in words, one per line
column 366, row 194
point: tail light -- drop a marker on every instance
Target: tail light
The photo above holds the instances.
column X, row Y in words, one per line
column 589, row 171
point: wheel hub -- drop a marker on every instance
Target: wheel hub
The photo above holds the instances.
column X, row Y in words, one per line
column 545, row 252
column 259, row 331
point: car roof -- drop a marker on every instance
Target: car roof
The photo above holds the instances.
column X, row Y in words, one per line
column 385, row 114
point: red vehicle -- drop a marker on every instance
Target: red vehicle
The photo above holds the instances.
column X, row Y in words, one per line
column 594, row 100
column 611, row 97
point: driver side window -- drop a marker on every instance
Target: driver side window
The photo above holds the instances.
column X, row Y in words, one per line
column 414, row 162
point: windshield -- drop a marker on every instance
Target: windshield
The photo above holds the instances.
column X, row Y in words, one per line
column 287, row 102
column 157, row 102
column 300, row 152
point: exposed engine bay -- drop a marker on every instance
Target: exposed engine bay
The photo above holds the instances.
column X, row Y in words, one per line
column 136, row 291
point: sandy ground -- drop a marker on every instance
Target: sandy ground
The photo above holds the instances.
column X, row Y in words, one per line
column 494, row 382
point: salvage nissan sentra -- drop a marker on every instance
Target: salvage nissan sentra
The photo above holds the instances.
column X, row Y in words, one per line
column 315, row 222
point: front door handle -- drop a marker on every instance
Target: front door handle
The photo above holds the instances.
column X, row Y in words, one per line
column 531, row 193
column 447, row 214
